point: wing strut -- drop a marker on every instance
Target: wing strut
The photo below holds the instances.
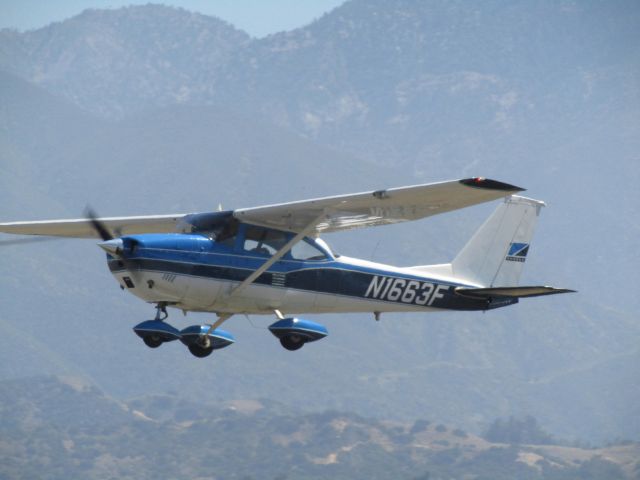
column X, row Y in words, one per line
column 263, row 268
column 278, row 255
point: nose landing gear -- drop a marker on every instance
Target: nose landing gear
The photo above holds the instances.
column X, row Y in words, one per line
column 153, row 340
column 155, row 332
column 201, row 340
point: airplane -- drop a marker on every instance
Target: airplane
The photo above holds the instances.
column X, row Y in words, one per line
column 271, row 260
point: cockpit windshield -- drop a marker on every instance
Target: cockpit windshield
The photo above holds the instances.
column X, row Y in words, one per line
column 225, row 234
column 218, row 226
column 223, row 229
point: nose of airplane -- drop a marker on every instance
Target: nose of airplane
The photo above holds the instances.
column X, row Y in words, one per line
column 112, row 247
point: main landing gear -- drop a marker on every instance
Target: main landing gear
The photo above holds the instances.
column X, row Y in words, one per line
column 292, row 341
column 293, row 333
column 200, row 351
column 201, row 340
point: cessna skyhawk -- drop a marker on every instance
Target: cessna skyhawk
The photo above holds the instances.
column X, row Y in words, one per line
column 271, row 260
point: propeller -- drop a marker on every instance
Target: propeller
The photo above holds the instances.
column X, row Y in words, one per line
column 100, row 228
column 110, row 244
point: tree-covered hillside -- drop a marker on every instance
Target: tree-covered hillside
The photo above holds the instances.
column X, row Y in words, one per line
column 54, row 428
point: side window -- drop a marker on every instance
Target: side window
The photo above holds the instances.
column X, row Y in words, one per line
column 263, row 241
column 305, row 251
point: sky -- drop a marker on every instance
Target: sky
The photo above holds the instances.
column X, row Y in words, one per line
column 256, row 17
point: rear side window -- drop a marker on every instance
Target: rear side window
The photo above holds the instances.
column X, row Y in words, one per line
column 306, row 251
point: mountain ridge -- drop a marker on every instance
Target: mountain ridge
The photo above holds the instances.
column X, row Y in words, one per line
column 308, row 118
column 73, row 440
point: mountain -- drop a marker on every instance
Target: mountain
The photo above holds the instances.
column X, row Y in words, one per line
column 151, row 109
column 136, row 57
column 166, row 436
column 369, row 75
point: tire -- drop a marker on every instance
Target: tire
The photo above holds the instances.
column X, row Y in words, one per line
column 292, row 342
column 198, row 351
column 152, row 341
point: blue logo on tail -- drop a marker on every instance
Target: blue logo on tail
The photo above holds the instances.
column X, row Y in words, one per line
column 517, row 252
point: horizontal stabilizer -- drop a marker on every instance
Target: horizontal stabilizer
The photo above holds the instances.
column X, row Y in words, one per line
column 513, row 292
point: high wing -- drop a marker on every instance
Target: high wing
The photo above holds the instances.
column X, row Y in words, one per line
column 341, row 212
column 380, row 207
column 82, row 227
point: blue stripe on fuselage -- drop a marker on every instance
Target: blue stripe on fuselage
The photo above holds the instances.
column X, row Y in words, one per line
column 323, row 276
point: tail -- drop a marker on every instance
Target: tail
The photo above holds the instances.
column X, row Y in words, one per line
column 496, row 254
column 494, row 257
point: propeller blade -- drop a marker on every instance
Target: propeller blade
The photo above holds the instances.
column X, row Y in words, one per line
column 99, row 227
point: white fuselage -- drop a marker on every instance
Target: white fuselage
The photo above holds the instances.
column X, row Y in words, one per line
column 195, row 293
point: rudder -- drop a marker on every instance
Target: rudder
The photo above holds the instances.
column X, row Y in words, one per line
column 496, row 253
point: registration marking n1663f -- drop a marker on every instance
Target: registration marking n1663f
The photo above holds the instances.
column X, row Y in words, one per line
column 406, row 291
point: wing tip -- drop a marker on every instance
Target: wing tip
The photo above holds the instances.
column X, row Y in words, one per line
column 487, row 183
column 566, row 290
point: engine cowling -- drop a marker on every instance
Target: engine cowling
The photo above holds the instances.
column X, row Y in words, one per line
column 293, row 333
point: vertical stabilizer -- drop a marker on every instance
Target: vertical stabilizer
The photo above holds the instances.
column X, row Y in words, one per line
column 496, row 254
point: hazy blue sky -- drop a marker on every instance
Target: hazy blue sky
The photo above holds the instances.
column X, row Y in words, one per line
column 256, row 17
